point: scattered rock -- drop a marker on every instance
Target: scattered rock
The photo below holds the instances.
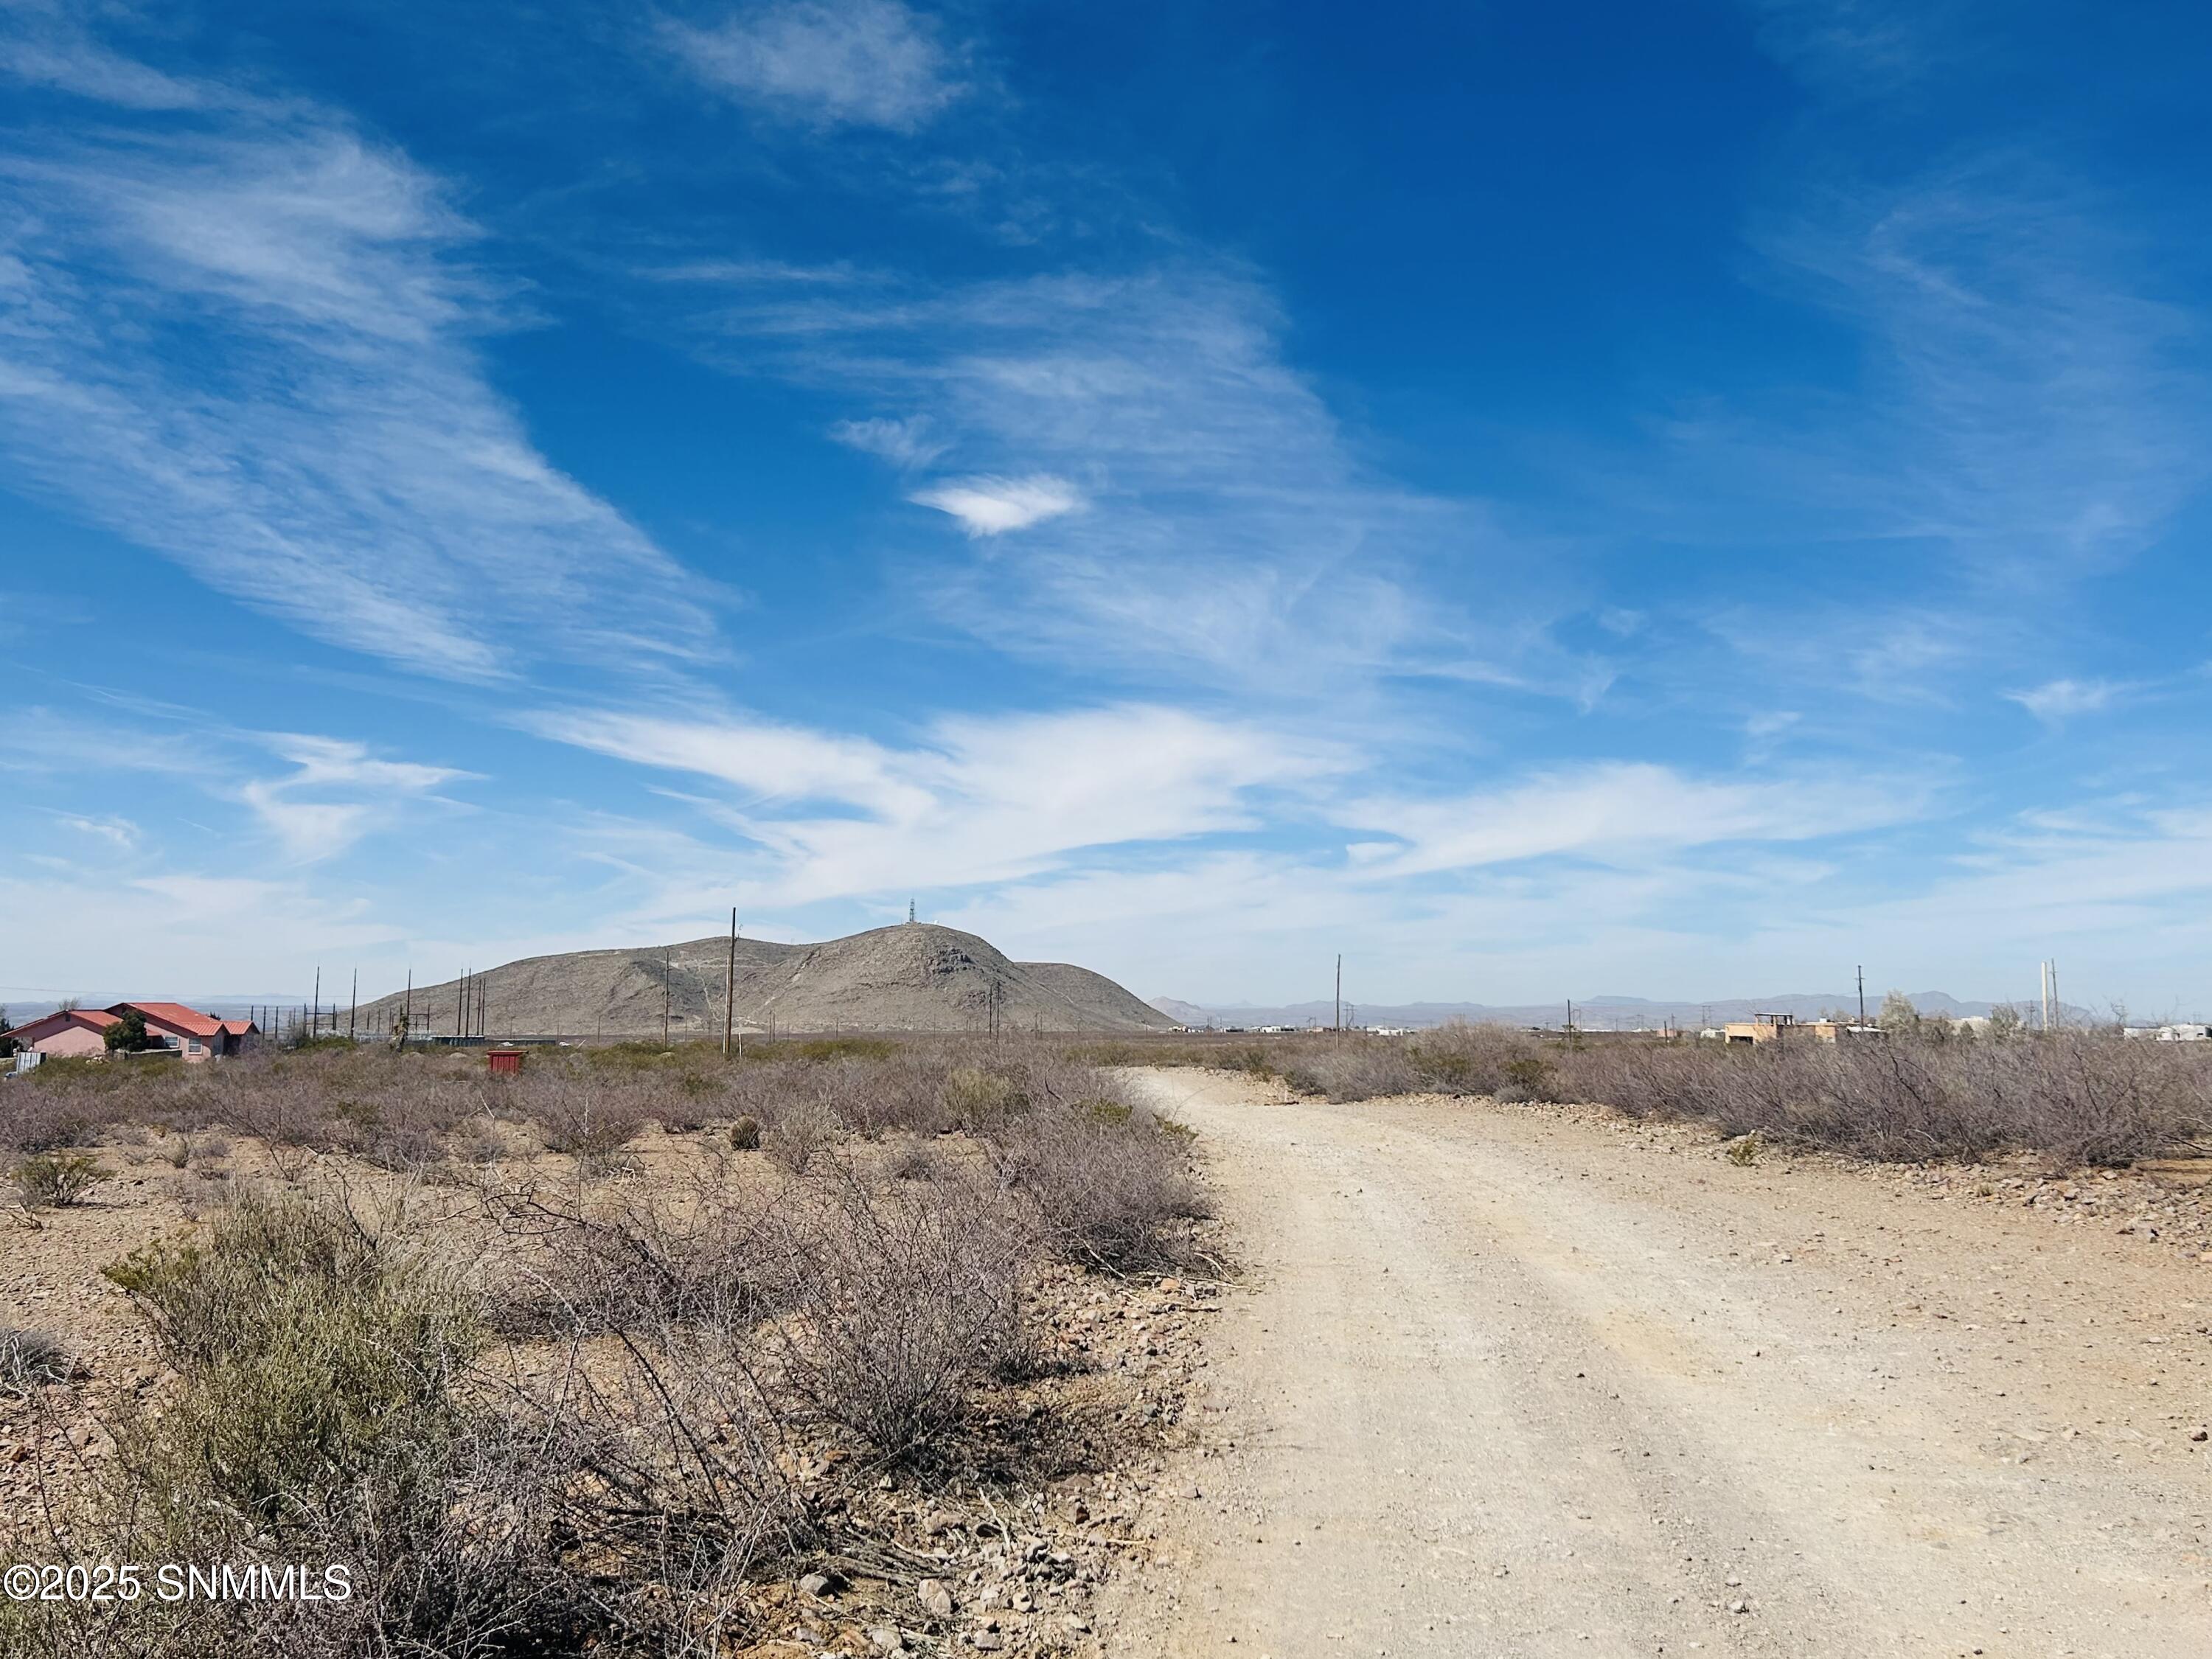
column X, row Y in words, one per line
column 936, row 1597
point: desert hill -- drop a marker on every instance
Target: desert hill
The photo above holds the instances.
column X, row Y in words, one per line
column 914, row 977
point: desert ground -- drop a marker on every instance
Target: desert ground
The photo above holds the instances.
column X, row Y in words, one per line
column 1534, row 1380
column 1419, row 1373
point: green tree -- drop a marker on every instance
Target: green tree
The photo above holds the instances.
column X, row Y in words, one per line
column 128, row 1033
column 2005, row 1020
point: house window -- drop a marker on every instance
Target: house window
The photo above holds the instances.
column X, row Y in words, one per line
column 192, row 1045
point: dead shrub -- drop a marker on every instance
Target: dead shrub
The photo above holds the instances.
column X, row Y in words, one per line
column 1105, row 1184
column 2082, row 1098
column 745, row 1135
column 800, row 1135
column 898, row 1299
column 635, row 1266
column 1352, row 1068
column 910, row 1158
column 587, row 1117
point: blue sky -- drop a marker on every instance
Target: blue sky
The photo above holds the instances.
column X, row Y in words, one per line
column 1545, row 500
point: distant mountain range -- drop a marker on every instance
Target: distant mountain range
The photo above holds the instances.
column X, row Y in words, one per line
column 1596, row 1014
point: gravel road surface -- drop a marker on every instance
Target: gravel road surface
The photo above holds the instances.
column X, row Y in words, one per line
column 1534, row 1381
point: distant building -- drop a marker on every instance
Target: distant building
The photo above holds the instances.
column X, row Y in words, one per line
column 2188, row 1031
column 1779, row 1028
column 184, row 1032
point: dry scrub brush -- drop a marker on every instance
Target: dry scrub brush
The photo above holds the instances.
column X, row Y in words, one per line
column 602, row 1429
column 2081, row 1097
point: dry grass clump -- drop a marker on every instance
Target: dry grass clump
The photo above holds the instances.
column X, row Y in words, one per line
column 31, row 1359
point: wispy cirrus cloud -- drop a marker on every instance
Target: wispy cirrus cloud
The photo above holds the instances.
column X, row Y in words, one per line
column 45, row 43
column 972, row 799
column 1626, row 810
column 908, row 444
column 2056, row 702
column 116, row 830
column 336, row 792
column 246, row 337
column 852, row 63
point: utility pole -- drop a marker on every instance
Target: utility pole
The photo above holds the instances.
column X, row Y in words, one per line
column 407, row 1014
column 1862, row 994
column 666, row 991
column 730, row 988
column 1340, row 990
column 317, row 1028
column 353, row 1006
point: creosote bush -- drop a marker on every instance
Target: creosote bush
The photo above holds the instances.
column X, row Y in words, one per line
column 315, row 1357
column 57, row 1180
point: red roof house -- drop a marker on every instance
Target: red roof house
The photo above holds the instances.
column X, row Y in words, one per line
column 66, row 1031
column 185, row 1032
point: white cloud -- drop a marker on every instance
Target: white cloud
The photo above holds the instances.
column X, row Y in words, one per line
column 975, row 799
column 117, row 832
column 908, row 443
column 771, row 761
column 1622, row 810
column 866, row 63
column 2058, row 701
column 248, row 344
column 298, row 811
column 991, row 507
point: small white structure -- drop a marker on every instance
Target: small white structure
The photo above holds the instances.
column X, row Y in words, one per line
column 2187, row 1031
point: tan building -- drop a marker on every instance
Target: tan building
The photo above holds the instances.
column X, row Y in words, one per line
column 1779, row 1027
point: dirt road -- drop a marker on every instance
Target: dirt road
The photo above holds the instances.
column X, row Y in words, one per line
column 1513, row 1381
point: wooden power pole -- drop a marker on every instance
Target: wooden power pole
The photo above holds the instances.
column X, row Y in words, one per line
column 730, row 988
